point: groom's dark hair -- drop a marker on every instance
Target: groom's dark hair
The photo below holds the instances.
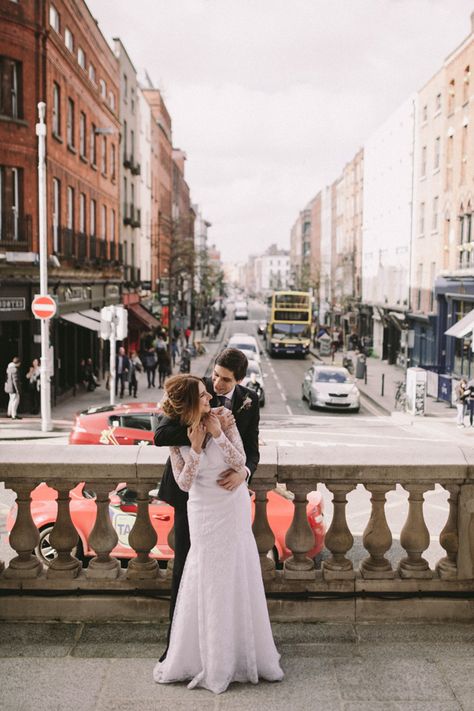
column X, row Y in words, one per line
column 235, row 361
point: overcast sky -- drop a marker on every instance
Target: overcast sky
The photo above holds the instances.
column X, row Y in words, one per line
column 269, row 98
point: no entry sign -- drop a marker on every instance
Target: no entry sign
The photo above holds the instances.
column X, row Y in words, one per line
column 43, row 307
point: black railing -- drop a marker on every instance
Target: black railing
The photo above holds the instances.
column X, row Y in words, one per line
column 81, row 244
column 93, row 248
column 120, row 253
column 112, row 251
column 66, row 242
column 101, row 249
column 15, row 232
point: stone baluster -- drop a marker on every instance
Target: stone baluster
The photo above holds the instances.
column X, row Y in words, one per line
column 377, row 536
column 64, row 537
column 142, row 538
column 447, row 568
column 24, row 536
column 299, row 538
column 261, row 528
column 103, row 537
column 170, row 540
column 338, row 537
column 414, row 536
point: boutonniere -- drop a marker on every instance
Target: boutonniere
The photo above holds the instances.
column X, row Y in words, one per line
column 245, row 405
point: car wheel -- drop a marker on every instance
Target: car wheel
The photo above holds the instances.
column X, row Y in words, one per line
column 303, row 396
column 312, row 406
column 356, row 410
column 45, row 551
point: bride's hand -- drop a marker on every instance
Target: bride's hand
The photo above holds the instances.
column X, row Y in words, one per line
column 196, row 436
column 213, row 424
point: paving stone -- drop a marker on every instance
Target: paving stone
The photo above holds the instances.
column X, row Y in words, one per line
column 313, row 632
column 402, row 706
column 412, row 650
column 31, row 639
column 51, row 684
column 415, row 632
column 116, row 640
column 392, row 680
column 325, row 650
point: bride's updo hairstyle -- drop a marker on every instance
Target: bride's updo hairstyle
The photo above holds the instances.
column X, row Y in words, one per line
column 181, row 401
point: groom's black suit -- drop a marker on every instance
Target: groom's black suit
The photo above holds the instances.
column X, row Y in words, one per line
column 170, row 433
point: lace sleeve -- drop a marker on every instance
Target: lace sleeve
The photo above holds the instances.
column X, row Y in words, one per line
column 231, row 445
column 184, row 469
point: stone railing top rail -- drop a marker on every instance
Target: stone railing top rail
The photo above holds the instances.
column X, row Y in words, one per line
column 434, row 462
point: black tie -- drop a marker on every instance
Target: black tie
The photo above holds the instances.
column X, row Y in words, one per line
column 225, row 402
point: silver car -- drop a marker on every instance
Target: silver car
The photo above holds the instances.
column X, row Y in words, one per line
column 330, row 388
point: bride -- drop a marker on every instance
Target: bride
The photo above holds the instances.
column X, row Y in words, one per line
column 221, row 630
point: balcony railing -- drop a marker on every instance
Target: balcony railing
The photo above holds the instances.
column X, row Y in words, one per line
column 15, row 232
column 131, row 215
column 371, row 588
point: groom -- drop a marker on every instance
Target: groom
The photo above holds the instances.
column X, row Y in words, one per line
column 230, row 368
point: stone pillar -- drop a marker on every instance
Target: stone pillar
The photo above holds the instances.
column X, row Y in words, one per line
column 142, row 538
column 24, row 536
column 377, row 536
column 261, row 528
column 339, row 539
column 64, row 537
column 447, row 567
column 466, row 532
column 414, row 536
column 299, row 538
column 103, row 537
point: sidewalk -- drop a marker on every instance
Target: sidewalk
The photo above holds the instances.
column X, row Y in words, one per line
column 378, row 370
column 63, row 414
column 328, row 667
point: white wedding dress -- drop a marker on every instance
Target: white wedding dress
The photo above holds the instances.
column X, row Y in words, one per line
column 221, row 630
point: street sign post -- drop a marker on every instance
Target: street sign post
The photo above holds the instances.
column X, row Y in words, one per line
column 113, row 327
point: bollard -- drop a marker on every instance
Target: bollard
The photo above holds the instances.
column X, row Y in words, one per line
column 383, row 383
column 365, row 373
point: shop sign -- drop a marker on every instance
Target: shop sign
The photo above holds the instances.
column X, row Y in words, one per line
column 12, row 303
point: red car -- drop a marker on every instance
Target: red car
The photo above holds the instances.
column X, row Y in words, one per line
column 115, row 424
column 122, row 510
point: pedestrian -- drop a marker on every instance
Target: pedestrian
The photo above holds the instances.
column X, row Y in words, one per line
column 164, row 366
column 13, row 388
column 174, row 349
column 160, row 343
column 185, row 361
column 150, row 362
column 122, row 367
column 90, row 375
column 469, row 388
column 33, row 377
column 462, row 393
column 136, row 366
column 187, row 335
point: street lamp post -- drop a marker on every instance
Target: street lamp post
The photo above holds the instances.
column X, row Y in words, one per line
column 45, row 370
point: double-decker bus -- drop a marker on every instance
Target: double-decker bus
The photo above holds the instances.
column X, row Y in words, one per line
column 289, row 323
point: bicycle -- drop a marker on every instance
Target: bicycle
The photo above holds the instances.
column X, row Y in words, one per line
column 401, row 395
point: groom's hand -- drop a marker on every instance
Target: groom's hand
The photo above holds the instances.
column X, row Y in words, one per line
column 231, row 478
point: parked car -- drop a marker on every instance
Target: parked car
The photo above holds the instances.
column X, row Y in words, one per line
column 330, row 388
column 123, row 511
column 247, row 344
column 115, row 424
column 254, row 380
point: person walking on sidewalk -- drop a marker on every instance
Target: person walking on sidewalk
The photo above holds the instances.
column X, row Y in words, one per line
column 122, row 367
column 13, row 388
column 164, row 366
column 33, row 377
column 469, row 388
column 135, row 366
column 462, row 394
column 150, row 361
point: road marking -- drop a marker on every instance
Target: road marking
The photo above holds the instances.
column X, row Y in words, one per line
column 289, row 410
column 283, row 396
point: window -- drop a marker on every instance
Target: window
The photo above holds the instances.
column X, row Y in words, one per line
column 125, row 197
column 132, row 101
column 92, row 216
column 70, row 208
column 465, row 85
column 81, row 58
column 112, row 226
column 432, row 284
column 112, row 100
column 11, row 98
column 54, row 18
column 124, row 141
column 437, row 150
column 92, row 73
column 451, row 96
column 423, row 162
column 434, row 224
column 69, row 39
column 11, row 194
column 103, row 89
column 112, row 161
column 438, row 103
column 463, row 153
column 103, row 161
column 56, row 213
column 56, row 109
column 82, row 135
column 425, row 113
column 422, row 218
column 104, row 222
column 92, row 146
column 132, row 146
column 82, row 213
column 125, row 88
column 419, row 279
column 70, row 123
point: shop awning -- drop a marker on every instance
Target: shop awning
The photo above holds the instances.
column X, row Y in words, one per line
column 142, row 315
column 462, row 327
column 80, row 318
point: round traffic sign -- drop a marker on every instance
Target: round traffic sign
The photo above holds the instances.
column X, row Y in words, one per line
column 43, row 307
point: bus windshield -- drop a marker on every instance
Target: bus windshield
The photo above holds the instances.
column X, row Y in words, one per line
column 292, row 330
column 293, row 300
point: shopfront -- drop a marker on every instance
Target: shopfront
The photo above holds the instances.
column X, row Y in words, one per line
column 455, row 324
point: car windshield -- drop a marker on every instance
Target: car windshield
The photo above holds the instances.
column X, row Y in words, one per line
column 296, row 330
column 244, row 346
column 330, row 376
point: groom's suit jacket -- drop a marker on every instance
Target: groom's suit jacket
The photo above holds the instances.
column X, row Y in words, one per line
column 172, row 434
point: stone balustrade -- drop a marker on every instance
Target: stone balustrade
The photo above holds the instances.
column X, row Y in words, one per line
column 370, row 589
